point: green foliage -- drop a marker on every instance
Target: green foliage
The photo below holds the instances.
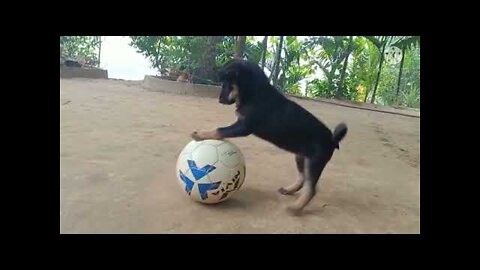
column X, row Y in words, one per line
column 225, row 49
column 292, row 68
column 319, row 88
column 168, row 53
column 80, row 47
column 409, row 84
column 387, row 85
column 361, row 71
column 329, row 53
column 253, row 50
column 271, row 52
column 411, row 68
column 407, row 42
column 411, row 96
column 293, row 75
column 301, row 59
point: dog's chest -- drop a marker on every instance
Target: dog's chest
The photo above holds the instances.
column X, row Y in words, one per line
column 240, row 112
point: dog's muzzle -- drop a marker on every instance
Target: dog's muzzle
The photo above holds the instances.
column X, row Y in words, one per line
column 226, row 101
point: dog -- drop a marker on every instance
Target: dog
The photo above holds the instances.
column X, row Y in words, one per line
column 265, row 112
column 183, row 77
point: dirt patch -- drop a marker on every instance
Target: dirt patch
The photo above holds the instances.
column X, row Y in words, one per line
column 119, row 145
column 403, row 154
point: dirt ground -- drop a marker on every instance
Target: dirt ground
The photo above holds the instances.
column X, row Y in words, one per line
column 119, row 145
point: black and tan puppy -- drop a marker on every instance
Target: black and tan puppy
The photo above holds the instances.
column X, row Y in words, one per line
column 268, row 114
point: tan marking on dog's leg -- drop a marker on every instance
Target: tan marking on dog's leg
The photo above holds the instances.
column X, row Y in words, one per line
column 297, row 185
column 306, row 196
column 294, row 187
column 206, row 135
column 308, row 190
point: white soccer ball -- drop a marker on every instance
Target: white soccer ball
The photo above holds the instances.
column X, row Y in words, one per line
column 210, row 171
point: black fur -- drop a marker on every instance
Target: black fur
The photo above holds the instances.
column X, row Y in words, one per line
column 265, row 112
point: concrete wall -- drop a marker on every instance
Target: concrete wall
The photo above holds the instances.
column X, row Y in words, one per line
column 154, row 84
column 75, row 72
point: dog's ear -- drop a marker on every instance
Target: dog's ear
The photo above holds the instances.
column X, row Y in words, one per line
column 221, row 74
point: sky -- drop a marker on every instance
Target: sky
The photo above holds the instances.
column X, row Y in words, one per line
column 122, row 61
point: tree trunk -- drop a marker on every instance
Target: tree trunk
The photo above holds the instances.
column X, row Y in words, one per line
column 207, row 65
column 330, row 78
column 400, row 74
column 281, row 82
column 99, row 49
column 331, row 74
column 240, row 46
column 344, row 69
column 379, row 70
column 264, row 51
column 277, row 61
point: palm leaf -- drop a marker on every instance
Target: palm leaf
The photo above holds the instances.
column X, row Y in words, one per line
column 374, row 40
column 407, row 42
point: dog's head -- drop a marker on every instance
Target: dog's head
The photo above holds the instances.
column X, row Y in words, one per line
column 229, row 76
column 239, row 79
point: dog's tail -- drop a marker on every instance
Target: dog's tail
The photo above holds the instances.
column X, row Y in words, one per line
column 339, row 133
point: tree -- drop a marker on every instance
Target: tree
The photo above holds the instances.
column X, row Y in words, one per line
column 353, row 67
column 207, row 63
column 367, row 70
column 340, row 88
column 194, row 54
column 380, row 44
column 165, row 52
column 388, row 82
column 83, row 47
column 253, row 50
column 400, row 73
column 198, row 55
column 99, row 49
column 225, row 50
column 404, row 43
column 276, row 67
column 264, row 51
column 328, row 54
column 288, row 68
column 291, row 69
column 240, row 46
column 409, row 90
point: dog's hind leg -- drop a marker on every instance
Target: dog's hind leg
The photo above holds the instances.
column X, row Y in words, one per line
column 297, row 185
column 312, row 171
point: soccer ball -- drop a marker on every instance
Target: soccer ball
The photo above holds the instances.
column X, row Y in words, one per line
column 210, row 171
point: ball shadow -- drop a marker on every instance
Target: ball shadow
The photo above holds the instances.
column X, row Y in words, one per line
column 244, row 198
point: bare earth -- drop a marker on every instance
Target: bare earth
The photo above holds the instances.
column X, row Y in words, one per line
column 119, row 145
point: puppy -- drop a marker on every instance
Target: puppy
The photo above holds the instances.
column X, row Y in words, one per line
column 266, row 113
column 183, row 77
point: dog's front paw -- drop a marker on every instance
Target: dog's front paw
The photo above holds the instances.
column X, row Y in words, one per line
column 284, row 191
column 195, row 135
